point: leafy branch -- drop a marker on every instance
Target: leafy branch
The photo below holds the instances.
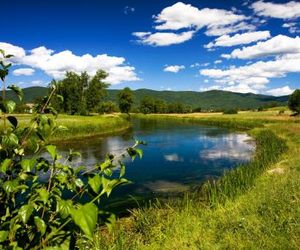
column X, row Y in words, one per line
column 44, row 201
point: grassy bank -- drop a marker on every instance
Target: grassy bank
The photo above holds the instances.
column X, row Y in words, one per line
column 254, row 206
column 85, row 126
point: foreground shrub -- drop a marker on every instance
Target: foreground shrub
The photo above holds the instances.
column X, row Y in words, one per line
column 45, row 202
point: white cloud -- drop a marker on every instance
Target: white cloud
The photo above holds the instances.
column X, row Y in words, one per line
column 185, row 16
column 56, row 64
column 217, row 61
column 286, row 90
column 277, row 10
column 37, row 82
column 195, row 65
column 246, row 38
column 292, row 27
column 23, row 72
column 182, row 15
column 8, row 48
column 228, row 29
column 174, row 68
column 276, row 46
column 254, row 77
column 163, row 38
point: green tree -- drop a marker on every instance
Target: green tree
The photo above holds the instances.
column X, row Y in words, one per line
column 96, row 90
column 125, row 99
column 147, row 105
column 294, row 102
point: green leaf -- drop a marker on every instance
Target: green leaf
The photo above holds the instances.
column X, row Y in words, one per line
column 13, row 120
column 40, row 224
column 95, row 183
column 52, row 151
column 3, row 236
column 109, row 185
column 139, row 152
column 86, row 218
column 79, row 183
column 10, row 140
column 10, row 186
column 28, row 164
column 122, row 170
column 43, row 194
column 4, row 165
column 18, row 91
column 10, row 106
column 64, row 208
column 25, row 212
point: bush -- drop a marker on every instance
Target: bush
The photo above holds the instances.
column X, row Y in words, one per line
column 230, row 112
column 107, row 108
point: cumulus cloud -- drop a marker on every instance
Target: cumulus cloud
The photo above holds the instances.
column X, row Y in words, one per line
column 163, row 38
column 254, row 77
column 246, row 38
column 18, row 52
column 174, row 68
column 276, row 46
column 185, row 16
column 23, row 72
column 217, row 61
column 286, row 90
column 277, row 10
column 56, row 64
column 180, row 15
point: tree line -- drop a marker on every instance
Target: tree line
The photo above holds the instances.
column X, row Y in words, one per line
column 82, row 94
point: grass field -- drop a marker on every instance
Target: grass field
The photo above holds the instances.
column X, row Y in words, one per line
column 262, row 213
column 85, row 126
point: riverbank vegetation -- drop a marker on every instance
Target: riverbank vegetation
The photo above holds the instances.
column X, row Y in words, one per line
column 254, row 206
column 84, row 126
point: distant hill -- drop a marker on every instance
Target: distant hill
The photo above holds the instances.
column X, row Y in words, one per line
column 30, row 94
column 214, row 99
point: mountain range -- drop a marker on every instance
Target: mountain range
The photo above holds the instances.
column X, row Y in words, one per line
column 213, row 99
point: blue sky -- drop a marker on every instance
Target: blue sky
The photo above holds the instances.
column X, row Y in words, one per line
column 243, row 46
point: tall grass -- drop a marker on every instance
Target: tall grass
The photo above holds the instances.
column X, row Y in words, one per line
column 88, row 126
column 247, row 208
column 84, row 126
column 238, row 180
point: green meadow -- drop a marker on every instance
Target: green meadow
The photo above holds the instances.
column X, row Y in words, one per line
column 256, row 205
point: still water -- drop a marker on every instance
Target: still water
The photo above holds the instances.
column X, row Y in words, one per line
column 177, row 155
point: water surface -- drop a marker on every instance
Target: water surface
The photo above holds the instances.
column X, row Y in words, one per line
column 177, row 155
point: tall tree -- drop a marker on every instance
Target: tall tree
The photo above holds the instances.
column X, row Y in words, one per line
column 125, row 99
column 96, row 90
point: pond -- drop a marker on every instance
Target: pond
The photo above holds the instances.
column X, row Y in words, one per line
column 177, row 156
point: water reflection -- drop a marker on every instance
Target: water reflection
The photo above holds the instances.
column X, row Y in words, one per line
column 177, row 155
